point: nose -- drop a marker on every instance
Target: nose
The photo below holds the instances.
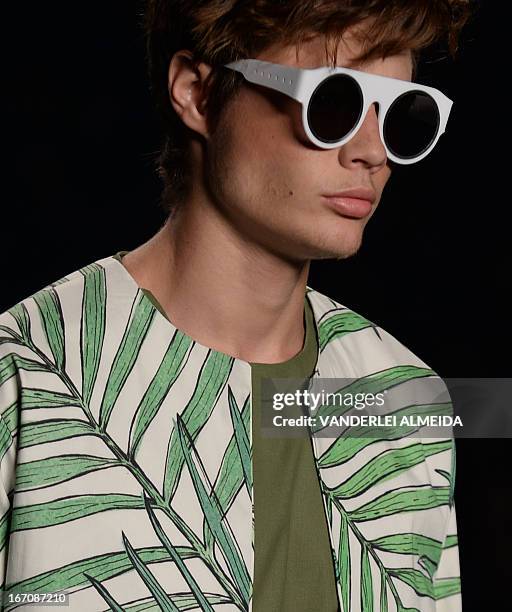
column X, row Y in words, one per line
column 365, row 147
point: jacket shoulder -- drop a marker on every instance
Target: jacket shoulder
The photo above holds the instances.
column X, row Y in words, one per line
column 354, row 343
column 59, row 299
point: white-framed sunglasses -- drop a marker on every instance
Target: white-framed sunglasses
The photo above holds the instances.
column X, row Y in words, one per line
column 335, row 101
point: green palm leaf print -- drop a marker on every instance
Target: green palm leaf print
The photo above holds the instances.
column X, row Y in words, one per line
column 56, row 470
column 242, row 441
column 113, row 605
column 51, row 317
column 347, row 447
column 93, row 322
column 100, row 567
column 214, row 515
column 53, row 470
column 141, row 318
column 52, row 430
column 60, row 511
column 231, row 476
column 389, row 464
column 157, row 391
column 161, row 597
column 379, row 382
column 386, row 465
column 340, row 324
column 210, row 384
column 109, row 406
column 20, row 314
column 175, row 556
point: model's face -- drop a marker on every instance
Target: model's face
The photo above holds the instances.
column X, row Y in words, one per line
column 269, row 179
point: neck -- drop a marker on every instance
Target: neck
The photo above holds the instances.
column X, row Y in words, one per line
column 222, row 288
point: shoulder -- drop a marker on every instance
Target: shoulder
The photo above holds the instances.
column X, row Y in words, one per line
column 355, row 349
column 41, row 333
column 58, row 302
column 354, row 343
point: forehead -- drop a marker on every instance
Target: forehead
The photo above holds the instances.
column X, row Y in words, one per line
column 312, row 53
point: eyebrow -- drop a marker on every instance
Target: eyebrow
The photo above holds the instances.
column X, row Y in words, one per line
column 358, row 65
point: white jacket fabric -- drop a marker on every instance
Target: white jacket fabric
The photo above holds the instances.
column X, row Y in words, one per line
column 125, row 462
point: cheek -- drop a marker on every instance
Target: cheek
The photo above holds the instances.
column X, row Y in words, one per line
column 262, row 156
column 266, row 127
column 265, row 162
column 381, row 178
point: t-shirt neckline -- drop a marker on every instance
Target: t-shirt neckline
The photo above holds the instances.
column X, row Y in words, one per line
column 296, row 363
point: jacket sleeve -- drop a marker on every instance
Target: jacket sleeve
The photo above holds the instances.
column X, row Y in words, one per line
column 8, row 411
column 447, row 576
column 447, row 583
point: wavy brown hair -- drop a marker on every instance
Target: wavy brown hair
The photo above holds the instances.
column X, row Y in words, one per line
column 221, row 31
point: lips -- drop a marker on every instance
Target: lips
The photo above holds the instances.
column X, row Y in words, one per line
column 350, row 207
column 354, row 203
column 360, row 193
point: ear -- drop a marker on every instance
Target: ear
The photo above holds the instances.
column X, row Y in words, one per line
column 187, row 91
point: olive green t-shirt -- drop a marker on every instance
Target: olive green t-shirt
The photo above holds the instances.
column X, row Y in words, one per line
column 293, row 566
column 293, row 562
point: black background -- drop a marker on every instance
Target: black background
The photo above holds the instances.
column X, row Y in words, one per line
column 433, row 266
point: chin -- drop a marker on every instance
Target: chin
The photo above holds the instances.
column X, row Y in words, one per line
column 341, row 243
column 340, row 249
column 338, row 246
column 336, row 254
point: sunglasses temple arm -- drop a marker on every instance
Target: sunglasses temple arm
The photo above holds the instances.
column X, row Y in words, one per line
column 283, row 79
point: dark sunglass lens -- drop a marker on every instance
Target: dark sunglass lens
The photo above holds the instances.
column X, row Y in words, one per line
column 411, row 124
column 335, row 108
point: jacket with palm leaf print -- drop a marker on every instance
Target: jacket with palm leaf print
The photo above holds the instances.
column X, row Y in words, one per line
column 126, row 463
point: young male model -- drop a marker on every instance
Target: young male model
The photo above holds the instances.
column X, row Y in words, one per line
column 133, row 467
